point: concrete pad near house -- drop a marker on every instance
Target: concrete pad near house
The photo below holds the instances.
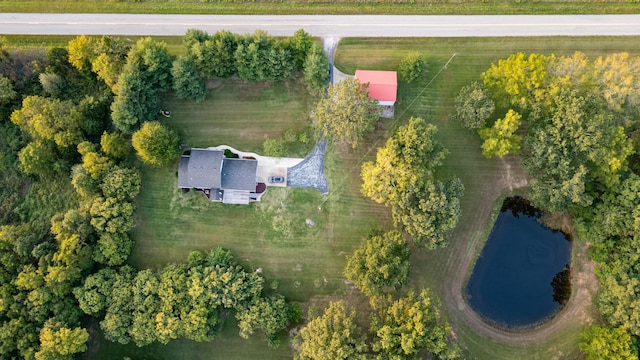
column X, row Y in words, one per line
column 267, row 165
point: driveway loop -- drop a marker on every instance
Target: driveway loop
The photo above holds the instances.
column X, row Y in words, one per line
column 309, row 173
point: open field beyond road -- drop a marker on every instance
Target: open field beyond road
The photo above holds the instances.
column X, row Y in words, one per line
column 420, row 7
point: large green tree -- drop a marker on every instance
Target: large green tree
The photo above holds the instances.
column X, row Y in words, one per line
column 332, row 336
column 571, row 150
column 187, row 82
column 501, row 138
column 381, row 261
column 156, row 144
column 146, row 73
column 346, row 114
column 410, row 324
column 474, row 106
column 269, row 314
column 403, row 178
column 316, row 68
column 520, row 80
column 606, row 343
column 412, row 67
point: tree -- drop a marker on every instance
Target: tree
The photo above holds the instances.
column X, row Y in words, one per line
column 346, row 114
column 49, row 119
column 316, row 68
column 95, row 164
column 122, row 184
column 501, row 138
column 111, row 215
column 82, row 52
column 403, row 178
column 52, row 83
column 428, row 212
column 116, row 145
column 618, row 297
column 573, row 149
column 39, row 158
column 59, row 342
column 113, row 249
column 155, row 61
column 607, row 343
column 214, row 56
column 278, row 64
column 412, row 67
column 109, row 60
column 519, row 79
column 271, row 315
column 136, row 99
column 155, row 144
column 194, row 36
column 617, row 78
column 187, row 82
column 334, row 335
column 382, row 261
column 300, row 44
column 474, row 106
column 7, row 93
column 412, row 153
column 410, row 324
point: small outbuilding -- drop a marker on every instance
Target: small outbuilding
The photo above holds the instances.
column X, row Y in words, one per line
column 383, row 85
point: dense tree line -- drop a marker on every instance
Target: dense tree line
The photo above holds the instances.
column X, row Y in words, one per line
column 250, row 57
column 574, row 121
column 180, row 301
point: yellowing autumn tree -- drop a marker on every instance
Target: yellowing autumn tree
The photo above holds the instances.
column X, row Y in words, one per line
column 501, row 139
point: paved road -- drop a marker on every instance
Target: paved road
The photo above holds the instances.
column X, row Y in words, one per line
column 324, row 26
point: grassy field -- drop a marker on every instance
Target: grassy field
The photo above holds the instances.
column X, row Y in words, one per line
column 485, row 180
column 307, row 262
column 334, row 7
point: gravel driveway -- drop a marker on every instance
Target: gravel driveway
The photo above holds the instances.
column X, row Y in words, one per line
column 309, row 173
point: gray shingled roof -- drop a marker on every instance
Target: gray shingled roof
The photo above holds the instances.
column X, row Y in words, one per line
column 183, row 172
column 239, row 174
column 202, row 169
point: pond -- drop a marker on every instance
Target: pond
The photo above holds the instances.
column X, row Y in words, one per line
column 522, row 277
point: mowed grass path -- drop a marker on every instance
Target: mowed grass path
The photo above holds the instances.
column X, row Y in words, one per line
column 485, row 180
column 272, row 235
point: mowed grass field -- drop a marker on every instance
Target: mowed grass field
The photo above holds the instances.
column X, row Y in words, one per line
column 446, row 270
column 307, row 262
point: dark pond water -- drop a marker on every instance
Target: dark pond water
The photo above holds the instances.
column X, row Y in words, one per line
column 522, row 276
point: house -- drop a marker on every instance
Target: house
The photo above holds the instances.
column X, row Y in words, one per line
column 229, row 180
column 383, row 85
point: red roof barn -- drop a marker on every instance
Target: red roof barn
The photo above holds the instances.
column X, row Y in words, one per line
column 383, row 85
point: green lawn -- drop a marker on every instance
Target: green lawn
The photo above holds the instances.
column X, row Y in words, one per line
column 333, row 7
column 308, row 262
column 485, row 180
